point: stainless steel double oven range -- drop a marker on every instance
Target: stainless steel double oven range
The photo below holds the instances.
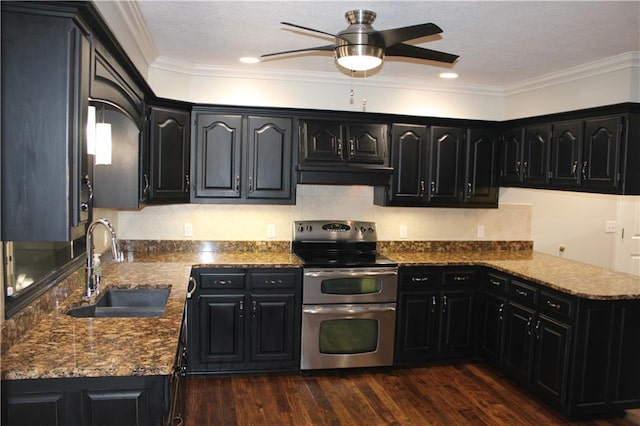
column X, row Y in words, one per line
column 349, row 295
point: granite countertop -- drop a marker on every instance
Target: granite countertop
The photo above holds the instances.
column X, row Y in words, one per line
column 62, row 346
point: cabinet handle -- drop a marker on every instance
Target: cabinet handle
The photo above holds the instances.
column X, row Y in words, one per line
column 187, row 183
column 574, row 169
column 223, row 282
column 495, row 282
column 241, row 308
column 339, row 147
column 469, row 189
column 524, row 168
column 422, row 187
column 584, row 170
column 529, row 321
column 553, row 305
column 433, row 187
column 538, row 330
column 84, row 206
column 250, row 184
column 521, row 292
column 190, row 289
column 352, row 147
column 238, row 183
column 461, row 278
column 444, row 304
column 518, row 167
column 433, row 304
column 145, row 190
column 501, row 312
column 272, row 282
column 419, row 279
column 254, row 308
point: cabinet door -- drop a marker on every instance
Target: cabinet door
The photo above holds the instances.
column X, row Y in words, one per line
column 417, row 338
column 42, row 408
column 536, row 155
column 492, row 329
column 45, row 95
column 217, row 156
column 321, row 142
column 601, row 157
column 457, row 323
column 222, row 328
column 445, row 164
column 511, row 161
column 518, row 343
column 566, row 153
column 625, row 378
column 170, row 141
column 269, row 157
column 272, row 327
column 551, row 359
column 480, row 186
column 367, row 143
column 408, row 155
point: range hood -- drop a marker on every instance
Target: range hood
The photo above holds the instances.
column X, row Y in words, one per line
column 344, row 175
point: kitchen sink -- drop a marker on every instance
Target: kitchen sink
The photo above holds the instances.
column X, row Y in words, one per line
column 118, row 302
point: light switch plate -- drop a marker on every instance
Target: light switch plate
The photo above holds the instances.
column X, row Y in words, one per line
column 188, row 230
column 403, row 231
column 610, row 226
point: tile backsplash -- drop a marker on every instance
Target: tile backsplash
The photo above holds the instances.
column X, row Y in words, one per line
column 225, row 222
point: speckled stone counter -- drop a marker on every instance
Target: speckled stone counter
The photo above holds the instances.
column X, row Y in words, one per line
column 58, row 345
column 576, row 278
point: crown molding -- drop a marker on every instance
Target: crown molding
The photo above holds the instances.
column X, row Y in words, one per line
column 624, row 61
column 129, row 16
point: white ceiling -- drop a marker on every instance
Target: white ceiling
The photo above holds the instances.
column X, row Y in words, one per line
column 500, row 43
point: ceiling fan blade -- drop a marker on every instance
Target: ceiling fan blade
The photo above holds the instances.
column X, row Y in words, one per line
column 307, row 28
column 410, row 51
column 395, row 36
column 328, row 47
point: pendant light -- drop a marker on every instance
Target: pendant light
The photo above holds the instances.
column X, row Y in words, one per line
column 99, row 141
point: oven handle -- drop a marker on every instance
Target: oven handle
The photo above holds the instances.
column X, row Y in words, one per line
column 334, row 274
column 350, row 309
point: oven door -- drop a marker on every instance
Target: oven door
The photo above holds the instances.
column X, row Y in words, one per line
column 344, row 336
column 350, row 285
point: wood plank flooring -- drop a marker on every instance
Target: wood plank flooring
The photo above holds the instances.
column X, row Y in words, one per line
column 460, row 394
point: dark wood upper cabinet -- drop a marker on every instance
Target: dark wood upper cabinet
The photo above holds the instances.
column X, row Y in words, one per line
column 409, row 156
column 168, row 178
column 566, row 154
column 242, row 158
column 329, row 141
column 535, row 166
column 511, row 153
column 445, row 165
column 601, row 153
column 480, row 187
column 46, row 62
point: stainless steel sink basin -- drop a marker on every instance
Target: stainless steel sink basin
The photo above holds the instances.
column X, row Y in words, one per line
column 117, row 302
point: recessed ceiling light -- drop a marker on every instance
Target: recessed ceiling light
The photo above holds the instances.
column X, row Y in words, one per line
column 249, row 60
column 448, row 75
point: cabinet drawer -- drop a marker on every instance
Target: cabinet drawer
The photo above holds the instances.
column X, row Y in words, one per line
column 497, row 283
column 420, row 279
column 461, row 277
column 523, row 293
column 222, row 280
column 554, row 304
column 265, row 280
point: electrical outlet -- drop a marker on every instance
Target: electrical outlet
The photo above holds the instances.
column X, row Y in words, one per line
column 403, row 231
column 610, row 226
column 271, row 231
column 188, row 230
column 480, row 231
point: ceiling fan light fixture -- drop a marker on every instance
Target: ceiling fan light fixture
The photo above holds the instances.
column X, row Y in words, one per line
column 359, row 57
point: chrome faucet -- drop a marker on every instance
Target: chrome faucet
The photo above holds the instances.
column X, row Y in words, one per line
column 92, row 282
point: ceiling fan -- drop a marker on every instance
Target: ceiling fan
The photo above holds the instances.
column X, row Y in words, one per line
column 360, row 47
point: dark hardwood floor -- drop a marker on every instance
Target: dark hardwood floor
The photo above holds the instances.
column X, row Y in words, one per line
column 460, row 394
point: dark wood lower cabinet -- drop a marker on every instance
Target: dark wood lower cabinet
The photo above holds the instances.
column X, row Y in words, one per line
column 108, row 401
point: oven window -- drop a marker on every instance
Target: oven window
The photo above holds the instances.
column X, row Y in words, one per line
column 348, row 336
column 356, row 285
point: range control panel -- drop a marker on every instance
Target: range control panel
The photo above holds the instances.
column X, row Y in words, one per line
column 334, row 230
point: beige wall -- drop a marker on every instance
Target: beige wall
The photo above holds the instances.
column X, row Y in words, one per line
column 246, row 222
